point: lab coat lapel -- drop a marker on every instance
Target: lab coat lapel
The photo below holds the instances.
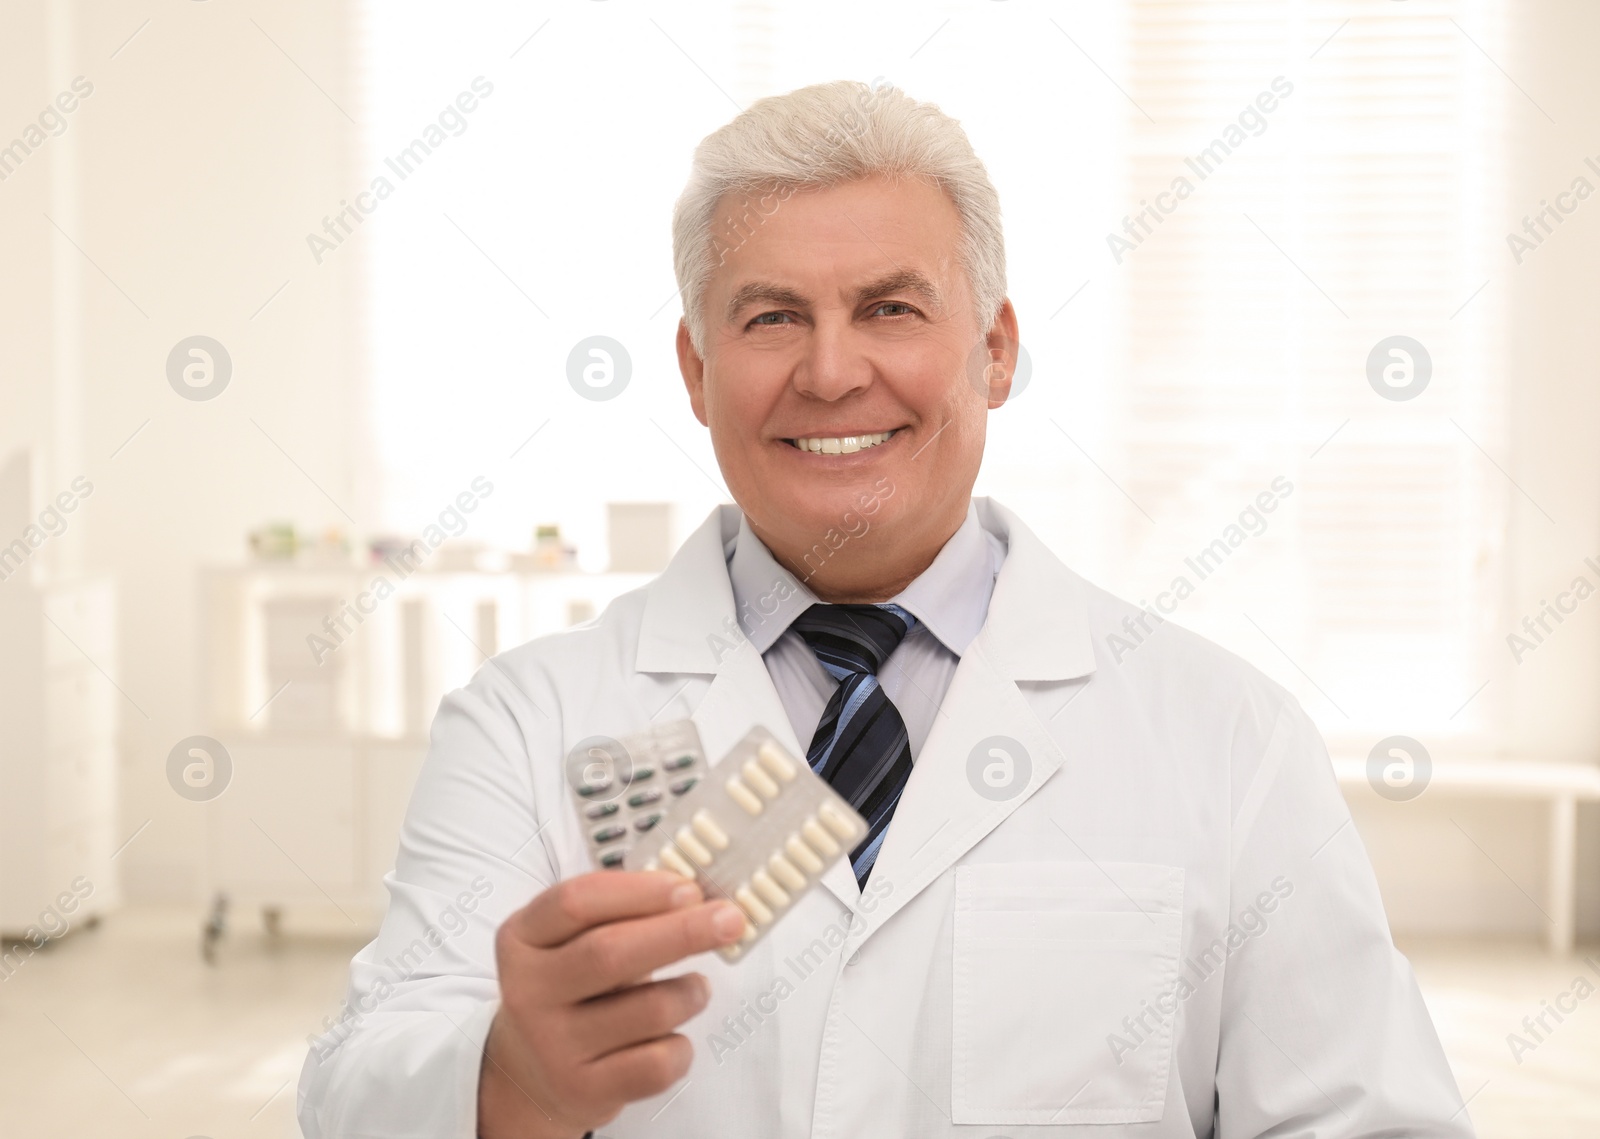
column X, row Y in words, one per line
column 948, row 805
column 689, row 626
column 989, row 750
column 1036, row 630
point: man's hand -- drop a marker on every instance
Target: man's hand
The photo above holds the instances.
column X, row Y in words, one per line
column 582, row 1031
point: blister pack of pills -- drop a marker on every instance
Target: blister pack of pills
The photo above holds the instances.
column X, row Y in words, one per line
column 759, row 829
column 624, row 788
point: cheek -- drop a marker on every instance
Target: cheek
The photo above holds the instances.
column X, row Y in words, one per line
column 964, row 419
column 742, row 391
column 730, row 406
column 952, row 405
column 929, row 375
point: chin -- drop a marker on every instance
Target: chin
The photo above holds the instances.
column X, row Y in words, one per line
column 848, row 508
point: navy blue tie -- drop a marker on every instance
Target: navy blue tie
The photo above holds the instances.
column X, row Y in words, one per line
column 861, row 747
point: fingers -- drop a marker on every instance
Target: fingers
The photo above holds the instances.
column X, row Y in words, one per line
column 611, row 955
column 635, row 1015
column 641, row 1071
column 592, row 1030
column 568, row 908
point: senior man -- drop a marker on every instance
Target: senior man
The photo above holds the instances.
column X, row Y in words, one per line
column 1098, row 896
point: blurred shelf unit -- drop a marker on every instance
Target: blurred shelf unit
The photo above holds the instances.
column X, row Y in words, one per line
column 322, row 686
column 58, row 753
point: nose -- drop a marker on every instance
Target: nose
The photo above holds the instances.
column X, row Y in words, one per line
column 834, row 364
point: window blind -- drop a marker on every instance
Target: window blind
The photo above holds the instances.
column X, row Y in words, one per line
column 1335, row 165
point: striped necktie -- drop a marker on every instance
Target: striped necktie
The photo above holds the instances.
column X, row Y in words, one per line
column 861, row 747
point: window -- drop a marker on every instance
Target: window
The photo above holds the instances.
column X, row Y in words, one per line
column 1340, row 195
column 1180, row 364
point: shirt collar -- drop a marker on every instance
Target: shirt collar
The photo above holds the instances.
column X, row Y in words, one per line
column 950, row 597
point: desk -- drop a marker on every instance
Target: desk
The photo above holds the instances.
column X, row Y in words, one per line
column 1561, row 785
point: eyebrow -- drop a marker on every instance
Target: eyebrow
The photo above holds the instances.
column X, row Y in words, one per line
column 762, row 292
column 900, row 281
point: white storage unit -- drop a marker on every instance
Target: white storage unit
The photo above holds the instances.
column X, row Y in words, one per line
column 1561, row 786
column 58, row 752
column 325, row 714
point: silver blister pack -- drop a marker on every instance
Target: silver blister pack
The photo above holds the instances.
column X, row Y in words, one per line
column 759, row 829
column 625, row 787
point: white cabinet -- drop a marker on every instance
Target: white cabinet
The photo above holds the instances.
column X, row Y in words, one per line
column 58, row 752
column 282, row 828
column 323, row 693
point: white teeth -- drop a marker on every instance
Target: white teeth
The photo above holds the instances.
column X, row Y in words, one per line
column 842, row 444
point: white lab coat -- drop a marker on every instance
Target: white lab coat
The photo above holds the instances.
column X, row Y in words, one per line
column 1163, row 926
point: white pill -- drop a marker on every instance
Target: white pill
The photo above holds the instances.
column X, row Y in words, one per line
column 820, row 839
column 769, row 890
column 803, row 854
column 742, row 795
column 759, row 779
column 706, row 827
column 676, row 862
column 735, row 951
column 773, row 759
column 692, row 846
column 752, row 905
column 652, row 865
column 783, row 870
column 836, row 821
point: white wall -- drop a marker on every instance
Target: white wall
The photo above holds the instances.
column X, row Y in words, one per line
column 1547, row 707
column 204, row 157
column 1554, row 312
column 26, row 313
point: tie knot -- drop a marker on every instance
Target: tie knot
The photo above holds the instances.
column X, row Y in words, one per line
column 853, row 639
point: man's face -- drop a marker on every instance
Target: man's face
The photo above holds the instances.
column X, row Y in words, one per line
column 838, row 378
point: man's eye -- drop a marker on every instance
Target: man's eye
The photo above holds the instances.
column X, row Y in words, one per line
column 771, row 318
column 902, row 309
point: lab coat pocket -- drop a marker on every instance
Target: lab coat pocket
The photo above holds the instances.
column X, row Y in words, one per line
column 1062, row 970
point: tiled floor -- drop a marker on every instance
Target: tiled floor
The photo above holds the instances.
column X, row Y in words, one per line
column 123, row 1031
column 1479, row 993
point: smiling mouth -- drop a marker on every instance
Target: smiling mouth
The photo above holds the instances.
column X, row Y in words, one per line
column 842, row 444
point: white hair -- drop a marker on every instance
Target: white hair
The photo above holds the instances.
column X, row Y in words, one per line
column 826, row 135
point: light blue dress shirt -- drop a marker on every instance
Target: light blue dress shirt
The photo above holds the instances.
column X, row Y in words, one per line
column 949, row 599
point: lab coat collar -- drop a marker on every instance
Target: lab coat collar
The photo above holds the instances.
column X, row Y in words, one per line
column 1036, row 628
column 769, row 597
column 689, row 623
column 950, row 598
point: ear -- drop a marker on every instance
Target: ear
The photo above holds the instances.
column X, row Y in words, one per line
column 1002, row 345
column 694, row 372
